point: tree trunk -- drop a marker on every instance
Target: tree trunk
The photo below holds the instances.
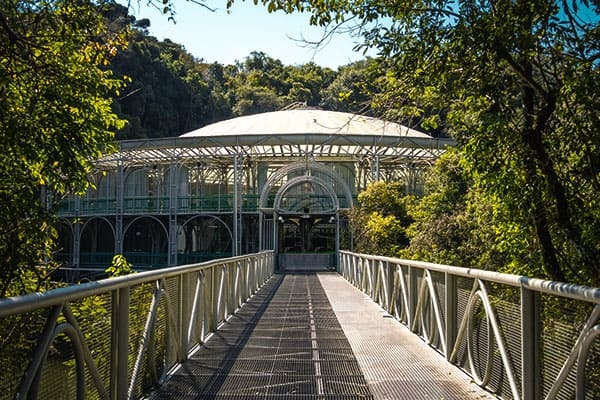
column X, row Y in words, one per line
column 531, row 139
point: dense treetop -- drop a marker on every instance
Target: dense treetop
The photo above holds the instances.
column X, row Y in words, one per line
column 172, row 92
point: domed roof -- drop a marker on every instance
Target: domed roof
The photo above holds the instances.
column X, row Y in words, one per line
column 305, row 122
column 291, row 133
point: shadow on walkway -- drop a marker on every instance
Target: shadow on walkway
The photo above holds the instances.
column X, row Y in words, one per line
column 286, row 342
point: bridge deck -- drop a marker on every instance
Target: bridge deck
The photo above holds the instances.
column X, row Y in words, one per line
column 313, row 336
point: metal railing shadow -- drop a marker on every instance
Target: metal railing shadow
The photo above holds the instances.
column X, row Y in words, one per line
column 233, row 350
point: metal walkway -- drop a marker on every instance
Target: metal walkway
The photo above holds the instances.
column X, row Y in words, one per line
column 313, row 336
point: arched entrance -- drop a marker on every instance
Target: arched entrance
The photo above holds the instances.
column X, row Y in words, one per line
column 300, row 207
column 97, row 244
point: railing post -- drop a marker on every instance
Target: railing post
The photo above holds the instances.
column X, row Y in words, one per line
column 213, row 306
column 247, row 263
column 357, row 271
column 184, row 318
column 451, row 314
column 232, row 268
column 390, row 272
column 368, row 276
column 236, row 290
column 376, row 292
column 530, row 345
column 258, row 267
column 413, row 296
column 119, row 379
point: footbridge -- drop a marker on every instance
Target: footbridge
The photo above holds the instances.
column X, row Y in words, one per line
column 235, row 328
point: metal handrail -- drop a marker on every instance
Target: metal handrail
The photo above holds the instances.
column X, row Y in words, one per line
column 187, row 305
column 430, row 308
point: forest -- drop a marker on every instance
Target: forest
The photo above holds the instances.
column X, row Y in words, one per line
column 514, row 83
column 171, row 92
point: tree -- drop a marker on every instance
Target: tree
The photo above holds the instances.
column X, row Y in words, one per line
column 55, row 117
column 167, row 95
column 351, row 90
column 379, row 224
column 254, row 100
column 306, row 82
column 263, row 84
column 515, row 83
column 457, row 224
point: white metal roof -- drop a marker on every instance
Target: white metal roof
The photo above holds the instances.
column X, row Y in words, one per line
column 305, row 121
column 288, row 133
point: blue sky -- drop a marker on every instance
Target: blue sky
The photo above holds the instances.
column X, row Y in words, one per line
column 226, row 37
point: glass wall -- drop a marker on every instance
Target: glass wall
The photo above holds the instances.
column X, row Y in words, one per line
column 173, row 211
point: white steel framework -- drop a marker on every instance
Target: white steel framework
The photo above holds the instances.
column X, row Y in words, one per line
column 235, row 187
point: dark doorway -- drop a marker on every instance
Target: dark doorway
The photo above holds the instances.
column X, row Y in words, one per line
column 306, row 242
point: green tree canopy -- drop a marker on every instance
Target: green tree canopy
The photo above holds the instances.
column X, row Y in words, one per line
column 351, row 90
column 171, row 92
column 379, row 223
column 55, row 117
column 456, row 224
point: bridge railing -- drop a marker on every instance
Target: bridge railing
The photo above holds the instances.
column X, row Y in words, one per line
column 520, row 338
column 117, row 338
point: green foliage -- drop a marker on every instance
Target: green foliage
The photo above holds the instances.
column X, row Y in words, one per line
column 458, row 223
column 263, row 84
column 55, row 117
column 387, row 199
column 379, row 224
column 119, row 266
column 171, row 92
column 351, row 90
column 254, row 100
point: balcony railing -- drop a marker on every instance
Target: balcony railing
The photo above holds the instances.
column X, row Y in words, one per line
column 214, row 203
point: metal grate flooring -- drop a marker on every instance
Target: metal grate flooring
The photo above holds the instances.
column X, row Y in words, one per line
column 286, row 342
column 396, row 363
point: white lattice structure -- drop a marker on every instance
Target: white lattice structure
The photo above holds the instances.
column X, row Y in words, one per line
column 278, row 180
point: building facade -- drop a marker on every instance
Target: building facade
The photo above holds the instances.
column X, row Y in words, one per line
column 282, row 180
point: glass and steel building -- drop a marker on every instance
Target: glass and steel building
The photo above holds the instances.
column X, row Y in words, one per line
column 279, row 180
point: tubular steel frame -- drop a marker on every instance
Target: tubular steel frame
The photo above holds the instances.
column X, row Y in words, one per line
column 204, row 296
column 416, row 304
